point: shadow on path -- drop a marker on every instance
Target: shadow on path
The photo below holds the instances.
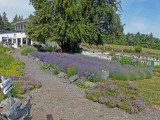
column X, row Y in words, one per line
column 49, row 117
column 28, row 107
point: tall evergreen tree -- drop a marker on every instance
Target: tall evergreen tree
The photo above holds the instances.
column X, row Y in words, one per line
column 1, row 23
column 7, row 25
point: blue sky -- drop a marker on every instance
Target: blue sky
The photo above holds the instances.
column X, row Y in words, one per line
column 141, row 16
column 138, row 15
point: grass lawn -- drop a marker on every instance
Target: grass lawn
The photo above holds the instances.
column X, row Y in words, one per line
column 150, row 90
column 145, row 50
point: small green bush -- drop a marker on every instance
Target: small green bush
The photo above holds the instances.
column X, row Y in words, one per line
column 157, row 67
column 138, row 49
column 46, row 67
column 126, row 60
column 56, row 70
column 149, row 73
column 82, row 85
column 46, row 49
column 27, row 49
column 115, row 58
column 72, row 71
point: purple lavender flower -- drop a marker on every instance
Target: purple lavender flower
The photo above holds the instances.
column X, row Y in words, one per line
column 113, row 87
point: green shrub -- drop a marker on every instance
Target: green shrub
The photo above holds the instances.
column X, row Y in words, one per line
column 115, row 58
column 17, row 90
column 149, row 73
column 157, row 67
column 134, row 75
column 119, row 94
column 82, row 85
column 142, row 74
column 72, row 71
column 28, row 49
column 46, row 67
column 56, row 70
column 138, row 49
column 46, row 49
column 126, row 60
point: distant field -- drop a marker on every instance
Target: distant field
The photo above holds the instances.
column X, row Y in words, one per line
column 145, row 50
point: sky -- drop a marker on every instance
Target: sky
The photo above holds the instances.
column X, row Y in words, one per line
column 138, row 15
column 141, row 16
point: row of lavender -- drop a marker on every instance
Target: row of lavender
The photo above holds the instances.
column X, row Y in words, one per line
column 92, row 67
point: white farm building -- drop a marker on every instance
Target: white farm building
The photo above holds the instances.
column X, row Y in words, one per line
column 16, row 38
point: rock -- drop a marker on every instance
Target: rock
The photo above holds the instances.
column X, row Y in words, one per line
column 73, row 78
column 80, row 80
column 29, row 55
column 39, row 62
column 5, row 105
column 36, row 59
column 63, row 75
column 32, row 58
column 91, row 84
column 51, row 69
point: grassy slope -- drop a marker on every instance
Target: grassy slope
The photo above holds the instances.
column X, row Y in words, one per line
column 132, row 47
column 150, row 90
column 125, row 47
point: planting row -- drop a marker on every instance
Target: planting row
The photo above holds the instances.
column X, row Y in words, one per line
column 91, row 68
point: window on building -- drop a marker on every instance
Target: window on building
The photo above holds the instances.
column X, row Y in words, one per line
column 24, row 41
column 14, row 40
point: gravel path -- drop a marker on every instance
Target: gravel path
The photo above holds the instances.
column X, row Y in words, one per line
column 56, row 100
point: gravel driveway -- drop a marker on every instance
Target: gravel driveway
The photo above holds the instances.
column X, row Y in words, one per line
column 56, row 100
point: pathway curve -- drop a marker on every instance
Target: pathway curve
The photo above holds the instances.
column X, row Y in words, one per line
column 56, row 100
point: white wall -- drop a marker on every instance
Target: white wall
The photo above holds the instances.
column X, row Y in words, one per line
column 13, row 35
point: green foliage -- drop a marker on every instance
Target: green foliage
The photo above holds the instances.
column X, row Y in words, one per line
column 72, row 71
column 8, row 65
column 46, row 67
column 17, row 90
column 56, row 70
column 4, row 24
column 115, row 58
column 27, row 49
column 149, row 73
column 157, row 67
column 17, row 18
column 126, row 60
column 46, row 49
column 138, row 49
column 71, row 22
column 82, row 85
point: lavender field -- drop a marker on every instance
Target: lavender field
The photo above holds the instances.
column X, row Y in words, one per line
column 91, row 67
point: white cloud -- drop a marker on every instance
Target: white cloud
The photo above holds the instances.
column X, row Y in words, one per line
column 142, row 25
column 12, row 7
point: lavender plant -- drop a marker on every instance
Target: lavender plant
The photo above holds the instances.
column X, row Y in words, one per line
column 91, row 67
column 119, row 94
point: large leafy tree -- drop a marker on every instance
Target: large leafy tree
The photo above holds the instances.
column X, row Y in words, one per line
column 70, row 22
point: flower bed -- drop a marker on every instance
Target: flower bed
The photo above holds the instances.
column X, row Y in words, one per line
column 21, row 85
column 117, row 94
column 91, row 67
